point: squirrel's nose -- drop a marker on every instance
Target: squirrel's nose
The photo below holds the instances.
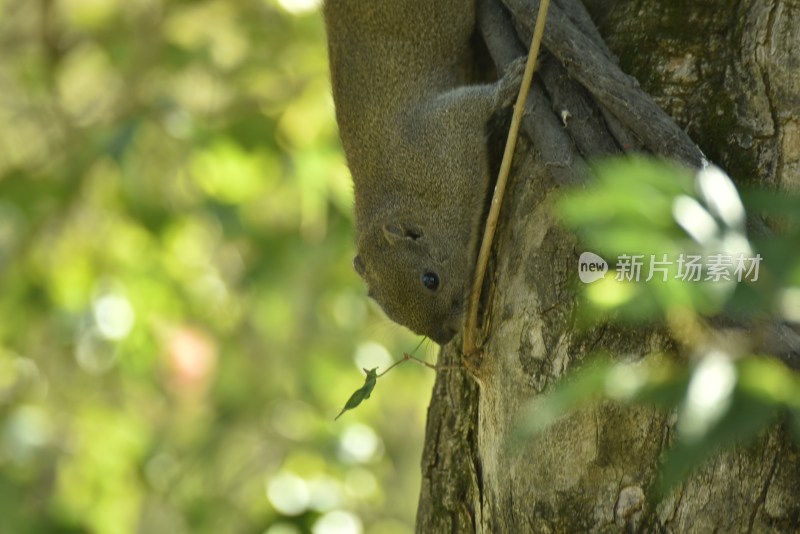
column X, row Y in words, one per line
column 444, row 335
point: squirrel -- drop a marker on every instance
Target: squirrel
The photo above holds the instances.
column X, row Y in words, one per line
column 414, row 132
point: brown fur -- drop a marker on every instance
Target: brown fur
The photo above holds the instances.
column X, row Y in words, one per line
column 414, row 133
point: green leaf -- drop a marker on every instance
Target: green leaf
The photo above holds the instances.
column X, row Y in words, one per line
column 361, row 393
column 663, row 214
column 746, row 416
column 655, row 380
column 577, row 389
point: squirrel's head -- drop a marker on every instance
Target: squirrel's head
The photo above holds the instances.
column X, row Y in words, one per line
column 419, row 281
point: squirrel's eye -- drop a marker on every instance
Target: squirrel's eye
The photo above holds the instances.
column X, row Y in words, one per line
column 430, row 280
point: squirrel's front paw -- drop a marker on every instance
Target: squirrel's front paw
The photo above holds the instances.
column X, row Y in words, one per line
column 508, row 85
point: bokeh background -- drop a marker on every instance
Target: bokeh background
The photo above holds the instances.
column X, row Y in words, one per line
column 179, row 318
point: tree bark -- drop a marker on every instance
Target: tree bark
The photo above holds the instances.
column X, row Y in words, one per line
column 726, row 74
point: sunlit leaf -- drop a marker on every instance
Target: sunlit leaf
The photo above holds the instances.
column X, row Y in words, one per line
column 661, row 216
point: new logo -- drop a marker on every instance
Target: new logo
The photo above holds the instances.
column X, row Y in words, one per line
column 591, row 267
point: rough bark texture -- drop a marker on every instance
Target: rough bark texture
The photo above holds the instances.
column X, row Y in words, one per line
column 728, row 74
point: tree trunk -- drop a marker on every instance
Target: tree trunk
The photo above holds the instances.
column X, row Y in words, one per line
column 728, row 75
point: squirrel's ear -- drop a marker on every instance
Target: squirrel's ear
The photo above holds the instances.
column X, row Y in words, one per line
column 395, row 231
column 358, row 265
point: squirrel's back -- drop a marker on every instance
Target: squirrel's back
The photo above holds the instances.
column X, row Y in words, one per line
column 387, row 53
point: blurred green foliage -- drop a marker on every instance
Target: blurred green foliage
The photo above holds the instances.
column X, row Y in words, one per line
column 179, row 319
column 666, row 215
column 722, row 390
